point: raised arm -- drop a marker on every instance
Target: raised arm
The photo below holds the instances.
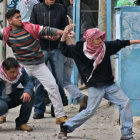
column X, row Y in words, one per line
column 67, row 31
column 134, row 42
column 116, row 45
column 49, row 31
column 67, row 50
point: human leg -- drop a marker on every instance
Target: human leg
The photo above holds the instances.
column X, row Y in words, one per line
column 117, row 96
column 3, row 110
column 56, row 60
column 95, row 96
column 42, row 73
column 14, row 100
column 26, row 107
column 39, row 103
column 3, row 107
column 68, row 85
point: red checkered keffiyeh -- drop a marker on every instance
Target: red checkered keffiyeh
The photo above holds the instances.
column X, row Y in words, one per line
column 95, row 52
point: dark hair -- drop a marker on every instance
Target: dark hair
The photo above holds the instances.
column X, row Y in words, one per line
column 10, row 62
column 11, row 13
column 137, row 2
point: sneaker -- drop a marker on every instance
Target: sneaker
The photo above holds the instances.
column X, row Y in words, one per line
column 24, row 127
column 83, row 103
column 2, row 119
column 61, row 120
column 63, row 131
column 38, row 116
column 127, row 138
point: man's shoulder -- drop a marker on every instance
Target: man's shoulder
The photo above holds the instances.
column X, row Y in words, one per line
column 38, row 5
column 23, row 72
column 59, row 5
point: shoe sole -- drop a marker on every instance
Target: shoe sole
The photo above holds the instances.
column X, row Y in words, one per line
column 62, row 135
column 23, row 130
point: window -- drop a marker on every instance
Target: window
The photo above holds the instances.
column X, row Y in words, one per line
column 93, row 9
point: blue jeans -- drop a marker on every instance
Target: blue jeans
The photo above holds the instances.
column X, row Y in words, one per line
column 112, row 93
column 68, row 85
column 56, row 61
column 13, row 100
column 39, row 102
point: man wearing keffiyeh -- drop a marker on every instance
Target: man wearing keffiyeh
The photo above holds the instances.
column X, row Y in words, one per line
column 92, row 57
column 11, row 75
column 23, row 38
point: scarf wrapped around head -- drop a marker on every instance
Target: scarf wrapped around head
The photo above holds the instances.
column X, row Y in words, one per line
column 95, row 52
column 4, row 76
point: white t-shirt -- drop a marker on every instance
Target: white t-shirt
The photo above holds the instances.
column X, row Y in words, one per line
column 25, row 11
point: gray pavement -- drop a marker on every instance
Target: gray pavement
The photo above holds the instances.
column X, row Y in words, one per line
column 101, row 126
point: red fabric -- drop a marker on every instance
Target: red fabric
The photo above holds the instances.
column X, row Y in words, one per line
column 33, row 29
column 92, row 51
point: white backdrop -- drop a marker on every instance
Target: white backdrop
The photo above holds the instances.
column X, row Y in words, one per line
column 8, row 49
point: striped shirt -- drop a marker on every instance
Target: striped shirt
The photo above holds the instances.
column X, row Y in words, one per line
column 26, row 49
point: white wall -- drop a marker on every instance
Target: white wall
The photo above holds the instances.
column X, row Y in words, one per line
column 8, row 49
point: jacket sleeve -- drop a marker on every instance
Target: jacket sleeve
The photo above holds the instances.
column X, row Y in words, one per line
column 114, row 46
column 48, row 31
column 27, row 82
column 65, row 49
column 33, row 16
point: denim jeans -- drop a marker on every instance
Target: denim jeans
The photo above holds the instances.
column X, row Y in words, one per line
column 13, row 100
column 56, row 61
column 68, row 85
column 39, row 103
column 112, row 93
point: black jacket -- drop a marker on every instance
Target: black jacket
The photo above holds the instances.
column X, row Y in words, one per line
column 53, row 16
column 103, row 73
